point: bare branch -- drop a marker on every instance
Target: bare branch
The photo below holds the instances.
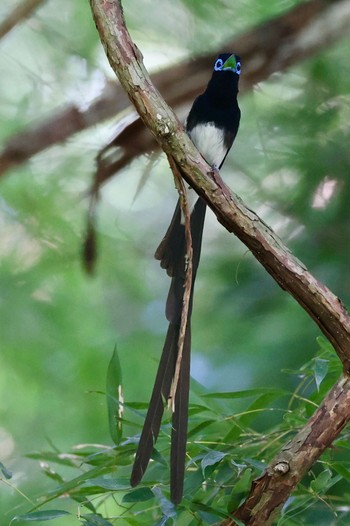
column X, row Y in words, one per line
column 181, row 188
column 19, row 13
column 271, row 46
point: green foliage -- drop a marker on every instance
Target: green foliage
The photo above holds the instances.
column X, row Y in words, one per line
column 38, row 516
column 219, row 471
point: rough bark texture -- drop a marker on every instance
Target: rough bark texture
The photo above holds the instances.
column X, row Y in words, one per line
column 322, row 305
column 272, row 46
column 271, row 490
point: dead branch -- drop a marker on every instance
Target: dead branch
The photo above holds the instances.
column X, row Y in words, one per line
column 182, row 191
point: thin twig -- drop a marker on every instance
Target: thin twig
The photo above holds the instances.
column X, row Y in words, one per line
column 181, row 188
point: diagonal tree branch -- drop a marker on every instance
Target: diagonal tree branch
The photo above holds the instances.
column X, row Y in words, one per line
column 18, row 14
column 271, row 46
column 322, row 305
column 271, row 490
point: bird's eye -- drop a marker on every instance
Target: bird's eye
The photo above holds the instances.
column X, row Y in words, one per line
column 238, row 68
column 218, row 65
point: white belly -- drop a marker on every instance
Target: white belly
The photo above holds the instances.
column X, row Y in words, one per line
column 210, row 142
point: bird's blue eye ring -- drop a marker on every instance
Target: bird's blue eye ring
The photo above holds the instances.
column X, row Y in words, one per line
column 238, row 68
column 218, row 65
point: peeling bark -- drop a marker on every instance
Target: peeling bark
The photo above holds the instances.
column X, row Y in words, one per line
column 270, row 491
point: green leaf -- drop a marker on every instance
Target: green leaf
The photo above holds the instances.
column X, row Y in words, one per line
column 320, row 369
column 76, row 482
column 324, row 344
column 68, row 459
column 200, row 427
column 92, row 519
column 7, row 474
column 321, row 482
column 208, row 513
column 107, row 484
column 243, row 483
column 342, row 470
column 46, row 515
column 115, row 398
column 211, row 458
column 138, row 495
column 51, row 473
column 240, row 488
column 167, row 507
column 247, row 393
column 84, row 501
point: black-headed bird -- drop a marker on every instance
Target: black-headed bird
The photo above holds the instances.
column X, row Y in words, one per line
column 212, row 125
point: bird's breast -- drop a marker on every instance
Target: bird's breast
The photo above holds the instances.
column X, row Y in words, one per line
column 209, row 140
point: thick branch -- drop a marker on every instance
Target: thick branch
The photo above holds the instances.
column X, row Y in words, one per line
column 269, row 492
column 271, row 46
column 322, row 305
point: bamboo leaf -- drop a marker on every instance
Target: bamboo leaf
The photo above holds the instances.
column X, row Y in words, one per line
column 46, row 515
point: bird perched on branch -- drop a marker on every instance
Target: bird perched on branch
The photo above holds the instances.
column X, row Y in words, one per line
column 212, row 124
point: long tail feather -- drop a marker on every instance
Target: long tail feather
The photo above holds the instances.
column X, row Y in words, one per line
column 180, row 423
column 171, row 253
column 155, row 411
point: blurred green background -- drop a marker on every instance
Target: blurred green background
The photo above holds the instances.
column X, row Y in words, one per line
column 59, row 327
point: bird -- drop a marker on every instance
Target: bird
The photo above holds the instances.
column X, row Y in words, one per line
column 212, row 125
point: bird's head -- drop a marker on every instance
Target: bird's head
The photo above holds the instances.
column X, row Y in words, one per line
column 228, row 62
